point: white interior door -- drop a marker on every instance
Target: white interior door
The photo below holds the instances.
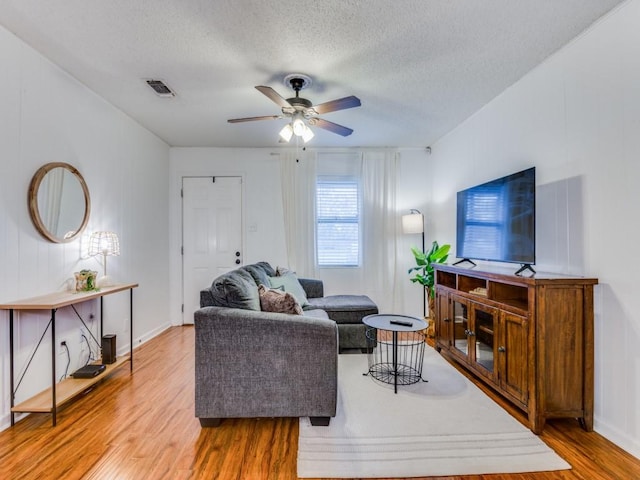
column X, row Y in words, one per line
column 211, row 234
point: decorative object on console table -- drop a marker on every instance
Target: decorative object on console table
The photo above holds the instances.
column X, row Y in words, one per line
column 86, row 280
column 108, row 348
column 105, row 243
column 425, row 275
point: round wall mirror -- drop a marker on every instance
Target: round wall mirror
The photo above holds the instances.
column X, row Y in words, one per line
column 59, row 202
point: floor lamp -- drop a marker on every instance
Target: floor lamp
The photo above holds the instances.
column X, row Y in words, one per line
column 413, row 222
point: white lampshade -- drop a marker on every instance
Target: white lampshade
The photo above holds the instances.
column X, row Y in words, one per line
column 104, row 243
column 298, row 127
column 413, row 222
column 307, row 134
column 286, row 133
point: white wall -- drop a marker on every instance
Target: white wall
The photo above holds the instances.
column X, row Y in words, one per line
column 263, row 222
column 576, row 118
column 48, row 116
column 263, row 214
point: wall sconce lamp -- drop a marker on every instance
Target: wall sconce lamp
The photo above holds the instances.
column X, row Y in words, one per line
column 105, row 243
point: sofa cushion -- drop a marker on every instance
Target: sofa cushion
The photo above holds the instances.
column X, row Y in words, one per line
column 235, row 289
column 345, row 308
column 258, row 274
column 273, row 300
column 267, row 268
column 316, row 313
column 290, row 283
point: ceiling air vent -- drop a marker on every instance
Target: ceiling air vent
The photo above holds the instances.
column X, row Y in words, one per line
column 160, row 88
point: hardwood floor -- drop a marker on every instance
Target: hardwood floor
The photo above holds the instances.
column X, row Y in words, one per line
column 142, row 426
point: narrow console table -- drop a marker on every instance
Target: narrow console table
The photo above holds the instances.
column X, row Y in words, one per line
column 49, row 400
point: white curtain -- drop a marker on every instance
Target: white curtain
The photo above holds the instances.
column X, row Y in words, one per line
column 298, row 177
column 380, row 229
column 379, row 275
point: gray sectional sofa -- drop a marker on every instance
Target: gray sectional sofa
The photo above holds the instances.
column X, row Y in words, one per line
column 254, row 363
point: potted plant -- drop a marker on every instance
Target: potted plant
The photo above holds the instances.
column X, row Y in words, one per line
column 424, row 272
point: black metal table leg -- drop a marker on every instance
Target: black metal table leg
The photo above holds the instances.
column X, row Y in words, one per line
column 13, row 393
column 53, row 366
column 131, row 329
column 394, row 348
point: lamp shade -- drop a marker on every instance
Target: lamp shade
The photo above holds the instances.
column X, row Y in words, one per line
column 307, row 134
column 413, row 223
column 105, row 243
column 286, row 133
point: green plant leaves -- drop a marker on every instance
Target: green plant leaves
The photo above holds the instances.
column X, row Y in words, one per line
column 424, row 260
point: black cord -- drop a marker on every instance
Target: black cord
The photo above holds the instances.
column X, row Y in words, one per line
column 66, row 369
column 90, row 357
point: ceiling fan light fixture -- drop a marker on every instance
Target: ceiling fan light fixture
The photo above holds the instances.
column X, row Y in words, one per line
column 299, row 127
column 286, row 133
column 307, row 134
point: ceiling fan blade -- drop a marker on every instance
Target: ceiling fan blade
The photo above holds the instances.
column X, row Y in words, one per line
column 339, row 104
column 251, row 119
column 273, row 95
column 332, row 127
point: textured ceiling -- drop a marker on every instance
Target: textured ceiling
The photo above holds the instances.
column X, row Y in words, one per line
column 419, row 67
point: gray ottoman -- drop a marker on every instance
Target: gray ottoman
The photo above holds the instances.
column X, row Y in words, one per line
column 347, row 311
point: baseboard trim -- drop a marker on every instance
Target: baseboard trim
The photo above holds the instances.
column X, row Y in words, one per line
column 621, row 439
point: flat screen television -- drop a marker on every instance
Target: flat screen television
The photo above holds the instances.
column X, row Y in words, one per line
column 496, row 221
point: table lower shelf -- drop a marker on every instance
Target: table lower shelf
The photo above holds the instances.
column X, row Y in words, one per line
column 66, row 390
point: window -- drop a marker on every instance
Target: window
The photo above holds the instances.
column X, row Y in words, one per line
column 337, row 222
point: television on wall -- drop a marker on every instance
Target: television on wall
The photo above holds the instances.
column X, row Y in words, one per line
column 496, row 221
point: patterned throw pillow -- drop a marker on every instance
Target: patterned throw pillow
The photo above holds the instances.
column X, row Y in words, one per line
column 281, row 271
column 273, row 300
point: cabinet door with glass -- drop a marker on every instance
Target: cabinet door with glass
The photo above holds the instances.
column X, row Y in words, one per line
column 461, row 327
column 483, row 341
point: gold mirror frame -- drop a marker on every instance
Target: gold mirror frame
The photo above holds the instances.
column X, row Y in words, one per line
column 35, row 208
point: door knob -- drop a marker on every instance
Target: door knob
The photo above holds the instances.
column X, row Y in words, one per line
column 502, row 349
column 237, row 254
column 237, row 261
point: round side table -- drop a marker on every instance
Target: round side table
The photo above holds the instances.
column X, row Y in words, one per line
column 396, row 348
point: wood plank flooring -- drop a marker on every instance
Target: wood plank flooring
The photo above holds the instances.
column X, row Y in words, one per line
column 142, row 426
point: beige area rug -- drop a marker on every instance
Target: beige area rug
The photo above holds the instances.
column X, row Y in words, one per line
column 446, row 426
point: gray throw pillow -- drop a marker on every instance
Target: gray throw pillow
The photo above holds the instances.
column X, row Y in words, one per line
column 258, row 273
column 236, row 289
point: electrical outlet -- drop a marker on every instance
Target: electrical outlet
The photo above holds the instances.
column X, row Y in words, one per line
column 63, row 347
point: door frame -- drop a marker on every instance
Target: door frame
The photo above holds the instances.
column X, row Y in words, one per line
column 175, row 243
